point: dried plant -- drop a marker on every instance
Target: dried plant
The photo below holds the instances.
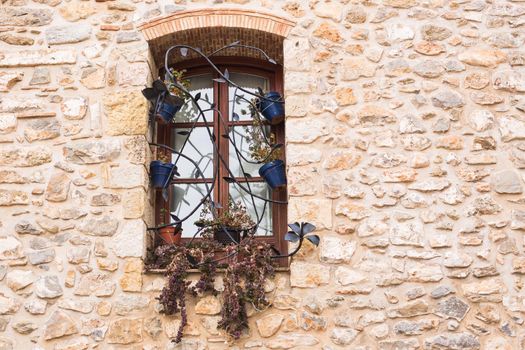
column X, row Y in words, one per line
column 163, row 155
column 244, row 283
column 177, row 78
column 261, row 148
column 235, row 216
column 249, row 267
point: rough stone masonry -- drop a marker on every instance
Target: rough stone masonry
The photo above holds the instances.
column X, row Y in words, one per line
column 405, row 147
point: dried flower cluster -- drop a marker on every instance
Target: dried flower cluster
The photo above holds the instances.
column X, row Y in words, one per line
column 248, row 266
column 177, row 77
column 235, row 216
column 260, row 146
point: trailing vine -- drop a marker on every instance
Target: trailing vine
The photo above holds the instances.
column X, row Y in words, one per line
column 248, row 267
column 173, row 295
column 245, row 280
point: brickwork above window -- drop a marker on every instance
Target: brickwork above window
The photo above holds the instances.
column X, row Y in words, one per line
column 210, row 29
column 233, row 18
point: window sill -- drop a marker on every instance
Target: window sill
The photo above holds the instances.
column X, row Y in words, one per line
column 195, row 271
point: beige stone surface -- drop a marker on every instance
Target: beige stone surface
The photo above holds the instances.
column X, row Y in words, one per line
column 405, row 147
column 126, row 113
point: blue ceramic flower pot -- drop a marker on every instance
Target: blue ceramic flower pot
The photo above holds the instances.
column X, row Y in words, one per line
column 272, row 111
column 167, row 111
column 159, row 172
column 273, row 173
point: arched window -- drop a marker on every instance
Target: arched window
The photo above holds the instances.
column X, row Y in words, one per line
column 231, row 118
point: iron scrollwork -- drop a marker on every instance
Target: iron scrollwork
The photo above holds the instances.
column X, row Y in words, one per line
column 164, row 101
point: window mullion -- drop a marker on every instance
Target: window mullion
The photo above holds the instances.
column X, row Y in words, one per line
column 223, row 143
column 216, row 133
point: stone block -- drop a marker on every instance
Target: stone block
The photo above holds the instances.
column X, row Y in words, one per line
column 92, row 152
column 315, row 211
column 32, row 58
column 129, row 242
column 74, row 108
column 307, row 275
column 68, row 34
column 135, row 74
column 335, row 250
column 134, row 203
column 126, row 177
column 9, row 79
column 297, row 54
column 126, row 113
column 13, row 197
column 21, row 17
column 58, row 325
column 42, row 129
column 307, row 130
column 57, row 189
column 8, row 123
column 125, row 331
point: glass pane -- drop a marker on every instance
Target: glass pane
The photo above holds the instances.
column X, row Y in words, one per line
column 189, row 112
column 258, row 212
column 198, row 147
column 248, row 82
column 185, row 198
column 238, row 135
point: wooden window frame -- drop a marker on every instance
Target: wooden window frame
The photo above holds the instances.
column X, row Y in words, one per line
column 274, row 74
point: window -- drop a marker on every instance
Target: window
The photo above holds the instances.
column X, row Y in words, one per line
column 189, row 188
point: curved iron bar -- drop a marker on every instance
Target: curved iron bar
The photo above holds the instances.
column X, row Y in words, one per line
column 224, row 79
column 279, row 256
column 222, row 120
column 262, row 131
column 221, row 159
column 208, row 194
column 193, row 125
column 202, row 202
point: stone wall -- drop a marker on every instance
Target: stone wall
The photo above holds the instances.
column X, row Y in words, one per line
column 404, row 145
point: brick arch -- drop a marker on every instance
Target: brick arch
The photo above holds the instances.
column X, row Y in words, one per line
column 206, row 18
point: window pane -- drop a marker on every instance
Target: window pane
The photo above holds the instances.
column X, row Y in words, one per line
column 189, row 112
column 238, row 135
column 186, row 197
column 199, row 148
column 248, row 82
column 259, row 210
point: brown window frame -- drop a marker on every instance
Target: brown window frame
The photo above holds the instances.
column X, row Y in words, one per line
column 274, row 74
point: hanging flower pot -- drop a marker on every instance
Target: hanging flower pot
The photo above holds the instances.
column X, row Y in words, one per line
column 160, row 173
column 271, row 107
column 166, row 100
column 274, row 173
column 166, row 111
column 170, row 234
column 222, row 237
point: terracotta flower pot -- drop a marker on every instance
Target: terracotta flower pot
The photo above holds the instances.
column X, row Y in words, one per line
column 170, row 235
